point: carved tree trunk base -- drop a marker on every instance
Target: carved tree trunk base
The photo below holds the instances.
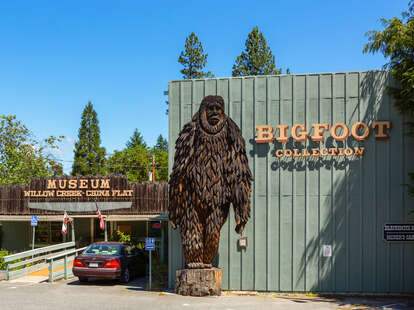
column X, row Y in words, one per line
column 198, row 282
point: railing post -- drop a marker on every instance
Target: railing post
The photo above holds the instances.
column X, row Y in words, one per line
column 106, row 233
column 51, row 271
column 7, row 271
column 65, row 261
column 73, row 230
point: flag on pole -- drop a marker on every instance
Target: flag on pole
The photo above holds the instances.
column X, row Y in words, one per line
column 101, row 220
column 66, row 220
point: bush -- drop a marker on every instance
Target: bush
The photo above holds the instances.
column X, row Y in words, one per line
column 3, row 252
column 123, row 237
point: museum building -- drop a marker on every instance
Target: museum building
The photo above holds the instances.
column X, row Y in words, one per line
column 329, row 209
column 136, row 209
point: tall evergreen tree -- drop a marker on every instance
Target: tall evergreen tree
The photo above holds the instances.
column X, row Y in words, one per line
column 193, row 59
column 89, row 155
column 136, row 139
column 161, row 144
column 257, row 59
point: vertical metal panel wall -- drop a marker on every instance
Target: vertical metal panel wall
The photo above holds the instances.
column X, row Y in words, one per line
column 300, row 205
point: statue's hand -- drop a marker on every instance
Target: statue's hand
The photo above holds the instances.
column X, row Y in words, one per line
column 240, row 227
column 173, row 226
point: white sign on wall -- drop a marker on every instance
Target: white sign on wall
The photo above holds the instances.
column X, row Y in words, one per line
column 327, row 250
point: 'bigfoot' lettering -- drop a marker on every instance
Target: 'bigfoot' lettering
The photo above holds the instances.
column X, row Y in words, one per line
column 210, row 171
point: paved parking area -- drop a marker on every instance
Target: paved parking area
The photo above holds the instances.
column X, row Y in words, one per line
column 71, row 294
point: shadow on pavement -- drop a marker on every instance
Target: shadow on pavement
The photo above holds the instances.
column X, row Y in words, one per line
column 358, row 302
column 134, row 284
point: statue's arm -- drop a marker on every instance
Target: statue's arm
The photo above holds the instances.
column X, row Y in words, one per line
column 240, row 177
column 178, row 191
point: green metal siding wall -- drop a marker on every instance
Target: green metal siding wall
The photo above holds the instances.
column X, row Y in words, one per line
column 299, row 205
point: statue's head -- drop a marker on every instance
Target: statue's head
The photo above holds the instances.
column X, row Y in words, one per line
column 211, row 114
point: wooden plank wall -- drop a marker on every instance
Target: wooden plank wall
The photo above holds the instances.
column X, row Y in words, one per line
column 148, row 198
column 300, row 205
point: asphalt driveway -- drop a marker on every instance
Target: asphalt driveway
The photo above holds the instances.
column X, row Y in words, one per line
column 71, row 294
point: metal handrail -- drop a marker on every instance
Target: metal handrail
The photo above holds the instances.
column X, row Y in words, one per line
column 49, row 248
column 65, row 255
column 30, row 254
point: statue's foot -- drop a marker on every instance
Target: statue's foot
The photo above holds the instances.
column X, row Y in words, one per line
column 199, row 266
column 195, row 265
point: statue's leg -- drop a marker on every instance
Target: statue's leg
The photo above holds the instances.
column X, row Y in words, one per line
column 191, row 238
column 212, row 229
column 211, row 243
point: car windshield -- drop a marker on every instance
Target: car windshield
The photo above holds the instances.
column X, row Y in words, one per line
column 103, row 249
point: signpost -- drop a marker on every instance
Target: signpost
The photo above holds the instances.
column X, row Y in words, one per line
column 401, row 232
column 33, row 223
column 150, row 246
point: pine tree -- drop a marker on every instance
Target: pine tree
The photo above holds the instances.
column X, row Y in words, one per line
column 162, row 144
column 89, row 155
column 257, row 59
column 136, row 139
column 193, row 59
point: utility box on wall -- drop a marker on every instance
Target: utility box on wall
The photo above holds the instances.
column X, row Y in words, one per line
column 317, row 217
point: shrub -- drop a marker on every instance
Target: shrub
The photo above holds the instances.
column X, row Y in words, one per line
column 3, row 252
column 123, row 237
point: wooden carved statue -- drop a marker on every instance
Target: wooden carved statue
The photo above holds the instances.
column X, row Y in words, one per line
column 210, row 172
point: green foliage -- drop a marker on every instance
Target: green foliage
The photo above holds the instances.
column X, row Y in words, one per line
column 22, row 156
column 193, row 59
column 121, row 237
column 161, row 165
column 3, row 252
column 136, row 139
column 89, row 155
column 162, row 144
column 134, row 162
column 160, row 151
column 396, row 43
column 257, row 59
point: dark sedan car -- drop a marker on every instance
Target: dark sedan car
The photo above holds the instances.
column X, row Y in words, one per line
column 110, row 260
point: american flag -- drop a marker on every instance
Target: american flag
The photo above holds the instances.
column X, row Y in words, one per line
column 66, row 220
column 101, row 220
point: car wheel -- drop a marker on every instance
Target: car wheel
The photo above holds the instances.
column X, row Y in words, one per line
column 83, row 280
column 125, row 277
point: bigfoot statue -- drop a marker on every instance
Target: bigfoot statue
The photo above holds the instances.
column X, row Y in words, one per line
column 210, row 171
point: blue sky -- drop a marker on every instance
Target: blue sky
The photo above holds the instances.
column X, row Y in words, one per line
column 55, row 56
